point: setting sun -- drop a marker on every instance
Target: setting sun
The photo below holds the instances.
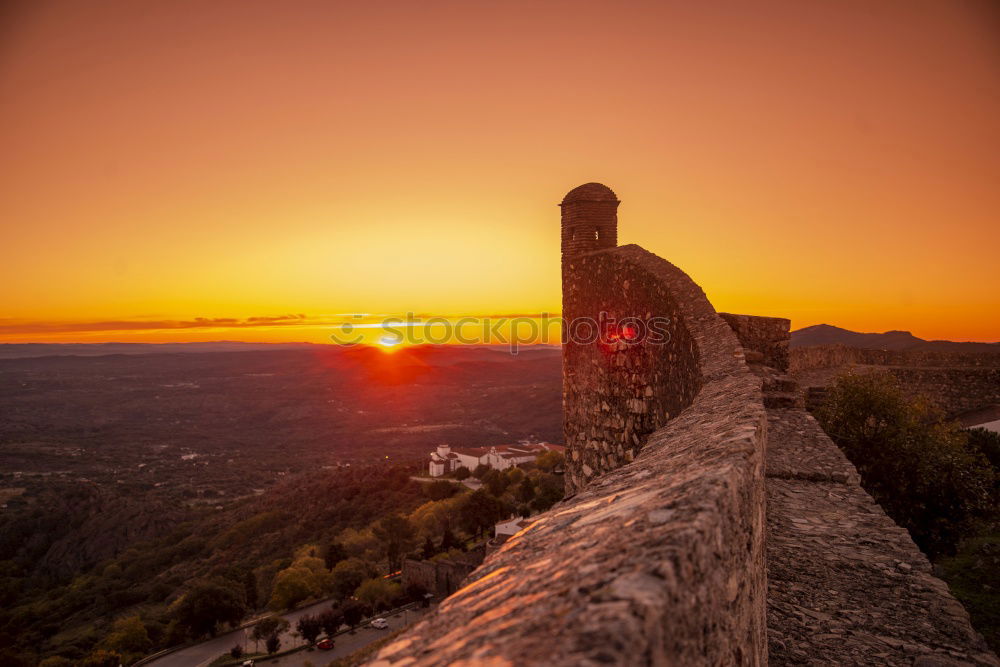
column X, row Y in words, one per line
column 389, row 343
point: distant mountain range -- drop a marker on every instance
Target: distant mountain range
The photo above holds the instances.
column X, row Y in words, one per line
column 820, row 334
column 825, row 334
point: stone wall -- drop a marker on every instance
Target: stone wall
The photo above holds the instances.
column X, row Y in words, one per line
column 826, row 356
column 957, row 381
column 766, row 336
column 657, row 556
column 440, row 577
column 660, row 559
column 616, row 393
column 845, row 584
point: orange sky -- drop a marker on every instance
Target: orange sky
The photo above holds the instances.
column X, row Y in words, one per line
column 165, row 161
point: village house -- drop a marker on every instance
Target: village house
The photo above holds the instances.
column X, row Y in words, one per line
column 499, row 457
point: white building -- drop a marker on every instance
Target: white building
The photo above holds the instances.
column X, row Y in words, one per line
column 499, row 457
column 443, row 461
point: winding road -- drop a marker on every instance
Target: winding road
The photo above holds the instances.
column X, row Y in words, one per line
column 202, row 654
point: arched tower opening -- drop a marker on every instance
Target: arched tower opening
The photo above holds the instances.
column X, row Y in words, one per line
column 589, row 219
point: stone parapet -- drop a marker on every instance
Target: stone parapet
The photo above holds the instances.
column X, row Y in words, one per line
column 766, row 336
column 826, row 356
column 846, row 585
column 957, row 382
column 655, row 561
column 615, row 394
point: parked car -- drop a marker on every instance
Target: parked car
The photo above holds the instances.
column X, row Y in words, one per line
column 380, row 624
column 325, row 644
column 248, row 663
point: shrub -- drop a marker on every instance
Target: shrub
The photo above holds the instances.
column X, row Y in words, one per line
column 919, row 468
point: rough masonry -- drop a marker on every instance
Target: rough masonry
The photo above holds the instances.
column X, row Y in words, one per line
column 707, row 519
column 957, row 381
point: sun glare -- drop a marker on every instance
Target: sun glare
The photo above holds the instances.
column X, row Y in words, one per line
column 389, row 343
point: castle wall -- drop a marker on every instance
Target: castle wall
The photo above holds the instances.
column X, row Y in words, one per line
column 825, row 356
column 440, row 577
column 656, row 561
column 657, row 556
column 844, row 581
column 957, row 381
column 767, row 336
column 616, row 393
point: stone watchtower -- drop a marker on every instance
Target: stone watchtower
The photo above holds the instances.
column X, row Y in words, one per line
column 589, row 219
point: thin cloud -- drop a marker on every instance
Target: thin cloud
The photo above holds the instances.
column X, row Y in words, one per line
column 16, row 327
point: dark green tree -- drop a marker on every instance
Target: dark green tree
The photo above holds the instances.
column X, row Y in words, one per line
column 272, row 644
column 331, row 619
column 496, row 482
column 207, row 605
column 448, row 540
column 266, row 627
column 462, row 473
column 250, row 590
column 348, row 575
column 334, row 554
column 480, row 471
column 480, row 511
column 549, row 489
column 397, row 537
column 353, row 612
column 429, row 550
column 525, row 491
column 309, row 627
